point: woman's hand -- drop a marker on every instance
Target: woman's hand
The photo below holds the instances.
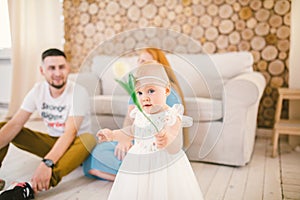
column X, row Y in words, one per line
column 104, row 135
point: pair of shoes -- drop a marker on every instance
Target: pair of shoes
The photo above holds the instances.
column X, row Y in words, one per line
column 22, row 191
column 2, row 184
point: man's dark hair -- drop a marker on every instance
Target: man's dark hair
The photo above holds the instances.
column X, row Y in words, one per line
column 53, row 52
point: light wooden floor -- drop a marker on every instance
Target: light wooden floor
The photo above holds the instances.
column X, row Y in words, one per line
column 263, row 178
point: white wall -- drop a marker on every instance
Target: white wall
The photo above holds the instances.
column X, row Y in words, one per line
column 5, row 80
column 294, row 64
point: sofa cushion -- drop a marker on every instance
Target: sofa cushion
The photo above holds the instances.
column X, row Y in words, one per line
column 110, row 105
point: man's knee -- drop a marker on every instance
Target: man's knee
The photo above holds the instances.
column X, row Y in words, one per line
column 88, row 140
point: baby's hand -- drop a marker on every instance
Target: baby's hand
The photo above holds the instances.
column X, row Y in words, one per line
column 104, row 135
column 161, row 139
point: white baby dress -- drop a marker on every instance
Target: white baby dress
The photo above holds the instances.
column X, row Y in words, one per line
column 147, row 173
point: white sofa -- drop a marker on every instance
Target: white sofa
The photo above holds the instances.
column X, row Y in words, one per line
column 222, row 94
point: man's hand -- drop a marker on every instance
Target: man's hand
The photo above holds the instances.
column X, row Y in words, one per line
column 122, row 148
column 41, row 178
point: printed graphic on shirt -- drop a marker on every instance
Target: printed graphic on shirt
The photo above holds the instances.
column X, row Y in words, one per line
column 54, row 115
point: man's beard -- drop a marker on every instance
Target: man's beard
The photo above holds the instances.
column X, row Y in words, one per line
column 57, row 86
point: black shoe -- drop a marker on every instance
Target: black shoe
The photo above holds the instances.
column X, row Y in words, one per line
column 22, row 191
column 2, row 184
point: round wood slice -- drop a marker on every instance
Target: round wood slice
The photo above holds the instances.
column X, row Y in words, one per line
column 236, row 7
column 141, row 3
column 262, row 15
column 218, row 2
column 276, row 67
column 134, row 13
column 102, row 5
column 198, row 10
column 209, row 47
column 232, row 48
column 222, row 42
column 283, row 45
column 276, row 82
column 269, row 53
column 170, row 4
column 93, row 9
column 225, row 11
column 206, row 2
column 216, row 21
column 112, row 8
column 88, row 44
column 256, row 4
column 287, row 19
column 282, row 55
column 98, row 37
column 176, row 28
column 109, row 21
column 247, row 34
column 129, row 43
column 258, row 43
column 211, row 33
column 188, row 11
column 143, row 22
column 158, row 3
column 193, row 21
column 183, row 40
column 245, row 13
column 262, row 29
column 283, row 32
column 251, row 23
column 166, row 23
column 234, row 37
column 109, row 32
column 230, row 1
column 267, row 102
column 84, row 18
column 118, row 27
column 171, row 15
column 83, row 7
column 205, row 21
column 157, row 21
column 149, row 11
column 186, row 29
column 244, row 46
column 271, row 39
column 89, row 30
column 212, row 10
column 178, row 8
column 269, row 114
column 282, row 7
column 169, row 43
column 163, row 12
column 244, row 2
column 234, row 17
column 126, row 3
column 186, row 2
column 268, row 4
column 226, row 26
column 275, row 21
column 240, row 25
column 262, row 65
column 79, row 38
column 181, row 19
column 256, row 56
column 197, row 32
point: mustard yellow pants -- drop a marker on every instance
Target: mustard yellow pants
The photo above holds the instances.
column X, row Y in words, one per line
column 40, row 144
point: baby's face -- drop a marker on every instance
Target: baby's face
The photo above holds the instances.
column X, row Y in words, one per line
column 152, row 98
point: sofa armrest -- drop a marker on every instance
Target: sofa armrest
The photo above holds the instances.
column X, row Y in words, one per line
column 245, row 89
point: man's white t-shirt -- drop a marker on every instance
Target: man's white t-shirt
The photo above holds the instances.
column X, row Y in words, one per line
column 74, row 101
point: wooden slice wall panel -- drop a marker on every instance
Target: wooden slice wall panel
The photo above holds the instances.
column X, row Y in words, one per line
column 261, row 27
